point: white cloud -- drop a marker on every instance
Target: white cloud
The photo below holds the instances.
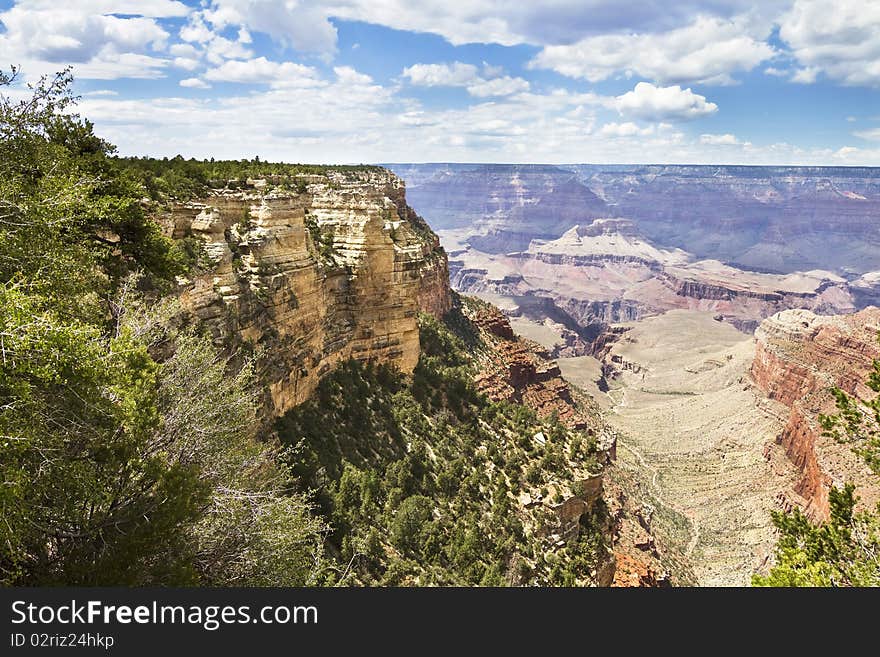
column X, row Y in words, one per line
column 186, row 63
column 148, row 8
column 305, row 24
column 627, row 129
column 43, row 36
column 194, row 83
column 840, row 38
column 726, row 139
column 109, row 66
column 650, row 102
column 301, row 25
column 72, row 36
column 263, row 71
column 372, row 124
column 503, row 86
column 805, row 75
column 873, row 134
column 708, row 50
column 218, row 49
column 183, row 50
column 348, row 75
column 459, row 74
column 456, row 74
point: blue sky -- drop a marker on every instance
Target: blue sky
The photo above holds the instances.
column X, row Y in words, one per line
column 702, row 81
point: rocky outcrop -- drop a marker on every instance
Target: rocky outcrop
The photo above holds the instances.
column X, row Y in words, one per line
column 638, row 559
column 308, row 280
column 800, row 356
column 521, row 371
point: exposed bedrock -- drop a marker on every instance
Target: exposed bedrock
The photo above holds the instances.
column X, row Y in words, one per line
column 340, row 271
column 799, row 357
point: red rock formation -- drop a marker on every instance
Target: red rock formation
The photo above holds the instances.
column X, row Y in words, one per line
column 518, row 370
column 799, row 357
column 636, row 554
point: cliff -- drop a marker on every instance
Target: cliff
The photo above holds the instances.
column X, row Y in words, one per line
column 334, row 267
column 799, row 357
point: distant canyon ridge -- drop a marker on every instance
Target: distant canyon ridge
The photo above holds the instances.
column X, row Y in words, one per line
column 577, row 248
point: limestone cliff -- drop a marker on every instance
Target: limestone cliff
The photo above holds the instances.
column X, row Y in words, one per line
column 333, row 267
column 799, row 357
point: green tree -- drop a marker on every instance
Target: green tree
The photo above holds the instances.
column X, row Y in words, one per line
column 842, row 551
column 410, row 521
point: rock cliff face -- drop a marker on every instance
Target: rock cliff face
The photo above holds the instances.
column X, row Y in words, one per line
column 338, row 270
column 799, row 357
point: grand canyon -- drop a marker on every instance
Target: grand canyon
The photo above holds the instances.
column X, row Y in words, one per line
column 304, row 299
column 708, row 311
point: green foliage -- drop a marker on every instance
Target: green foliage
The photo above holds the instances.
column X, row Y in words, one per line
column 842, row 551
column 183, row 179
column 117, row 467
column 71, row 222
column 418, row 476
column 857, row 421
column 323, row 240
column 122, row 470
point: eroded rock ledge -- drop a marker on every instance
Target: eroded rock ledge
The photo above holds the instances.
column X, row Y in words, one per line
column 338, row 269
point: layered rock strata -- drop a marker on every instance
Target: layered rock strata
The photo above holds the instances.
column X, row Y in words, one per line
column 800, row 356
column 311, row 279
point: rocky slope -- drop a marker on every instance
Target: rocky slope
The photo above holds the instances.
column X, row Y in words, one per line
column 513, row 369
column 337, row 271
column 799, row 357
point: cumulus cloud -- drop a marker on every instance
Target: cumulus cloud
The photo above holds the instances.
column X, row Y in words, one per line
column 840, row 38
column 71, row 36
column 805, row 75
column 148, row 8
column 263, row 71
column 491, row 82
column 194, row 83
column 303, row 25
column 708, row 50
column 42, row 36
column 726, row 139
column 348, row 75
column 306, row 25
column 186, row 63
column 456, row 74
column 628, row 129
column 650, row 102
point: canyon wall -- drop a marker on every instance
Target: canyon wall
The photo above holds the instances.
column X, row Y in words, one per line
column 307, row 279
column 799, row 357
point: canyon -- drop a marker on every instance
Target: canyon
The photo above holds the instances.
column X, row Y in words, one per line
column 642, row 344
column 587, row 245
column 308, row 275
column 708, row 312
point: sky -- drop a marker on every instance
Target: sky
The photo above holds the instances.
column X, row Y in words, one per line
column 554, row 81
